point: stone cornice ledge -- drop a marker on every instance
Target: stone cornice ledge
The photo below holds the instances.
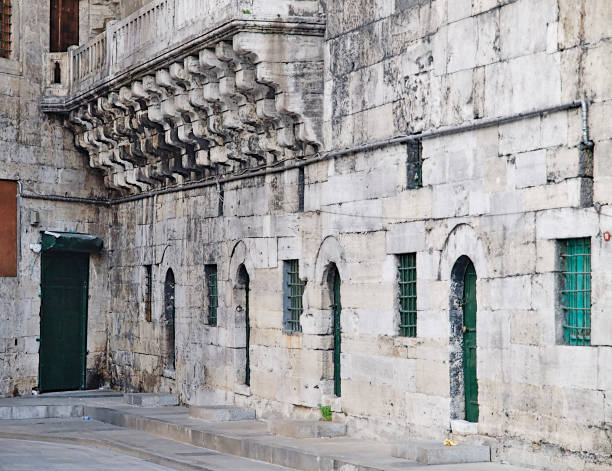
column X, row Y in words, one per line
column 303, row 26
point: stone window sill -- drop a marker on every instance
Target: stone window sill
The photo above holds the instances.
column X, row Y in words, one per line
column 9, row 66
column 292, row 332
column 242, row 389
column 168, row 373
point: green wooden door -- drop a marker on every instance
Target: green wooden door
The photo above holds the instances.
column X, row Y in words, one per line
column 469, row 345
column 337, row 307
column 63, row 321
column 247, row 376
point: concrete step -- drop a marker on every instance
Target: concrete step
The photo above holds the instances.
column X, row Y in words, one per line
column 151, row 399
column 222, row 413
column 250, row 440
column 306, row 428
column 430, row 452
column 86, row 394
column 40, row 412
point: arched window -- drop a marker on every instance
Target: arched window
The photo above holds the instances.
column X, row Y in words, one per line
column 242, row 321
column 168, row 320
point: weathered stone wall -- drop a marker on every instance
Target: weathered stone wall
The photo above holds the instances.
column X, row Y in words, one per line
column 94, row 15
column 130, row 6
column 502, row 196
column 38, row 151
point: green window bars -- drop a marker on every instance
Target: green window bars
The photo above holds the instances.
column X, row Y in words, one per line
column 576, row 290
column 407, row 295
column 213, row 294
column 148, row 292
column 293, row 291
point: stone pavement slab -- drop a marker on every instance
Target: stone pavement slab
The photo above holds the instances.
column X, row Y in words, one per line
column 116, row 440
column 24, row 455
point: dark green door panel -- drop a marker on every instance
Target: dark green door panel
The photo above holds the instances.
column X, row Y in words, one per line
column 247, row 379
column 63, row 321
column 469, row 345
column 337, row 307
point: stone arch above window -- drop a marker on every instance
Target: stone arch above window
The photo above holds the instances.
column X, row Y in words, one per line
column 463, row 240
column 329, row 251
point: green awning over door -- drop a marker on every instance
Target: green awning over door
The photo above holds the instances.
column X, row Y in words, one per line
column 70, row 242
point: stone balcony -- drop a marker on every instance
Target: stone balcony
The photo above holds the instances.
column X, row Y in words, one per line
column 184, row 90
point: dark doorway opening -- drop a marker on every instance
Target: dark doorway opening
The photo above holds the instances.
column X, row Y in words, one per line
column 168, row 321
column 241, row 297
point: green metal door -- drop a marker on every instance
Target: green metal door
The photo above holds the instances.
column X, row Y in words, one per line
column 63, row 320
column 337, row 307
column 469, row 345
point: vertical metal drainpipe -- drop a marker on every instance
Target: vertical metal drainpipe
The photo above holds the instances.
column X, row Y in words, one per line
column 586, row 141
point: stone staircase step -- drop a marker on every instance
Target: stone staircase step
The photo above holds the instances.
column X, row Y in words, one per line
column 85, row 394
column 151, row 399
column 40, row 412
column 253, row 442
column 306, row 428
column 222, row 413
column 430, row 452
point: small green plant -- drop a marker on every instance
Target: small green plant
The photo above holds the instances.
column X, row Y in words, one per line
column 246, row 12
column 326, row 412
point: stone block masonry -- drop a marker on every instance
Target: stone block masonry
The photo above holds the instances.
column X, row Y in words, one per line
column 234, row 153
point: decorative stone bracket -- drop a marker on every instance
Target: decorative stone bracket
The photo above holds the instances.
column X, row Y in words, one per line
column 248, row 98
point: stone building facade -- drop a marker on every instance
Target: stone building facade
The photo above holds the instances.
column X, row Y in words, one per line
column 395, row 208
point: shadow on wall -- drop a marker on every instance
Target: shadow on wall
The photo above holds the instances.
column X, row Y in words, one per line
column 130, row 6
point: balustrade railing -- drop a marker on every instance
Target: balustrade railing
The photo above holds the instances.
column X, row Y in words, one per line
column 153, row 22
column 89, row 58
column 155, row 26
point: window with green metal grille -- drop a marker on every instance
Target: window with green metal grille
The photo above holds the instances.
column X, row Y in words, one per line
column 407, row 295
column 148, row 291
column 576, row 290
column 5, row 29
column 293, row 291
column 213, row 295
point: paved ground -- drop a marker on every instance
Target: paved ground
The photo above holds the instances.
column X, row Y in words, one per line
column 166, row 438
column 76, row 444
column 23, row 455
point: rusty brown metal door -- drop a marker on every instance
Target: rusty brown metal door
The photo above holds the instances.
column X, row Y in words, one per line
column 64, row 25
column 8, row 228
